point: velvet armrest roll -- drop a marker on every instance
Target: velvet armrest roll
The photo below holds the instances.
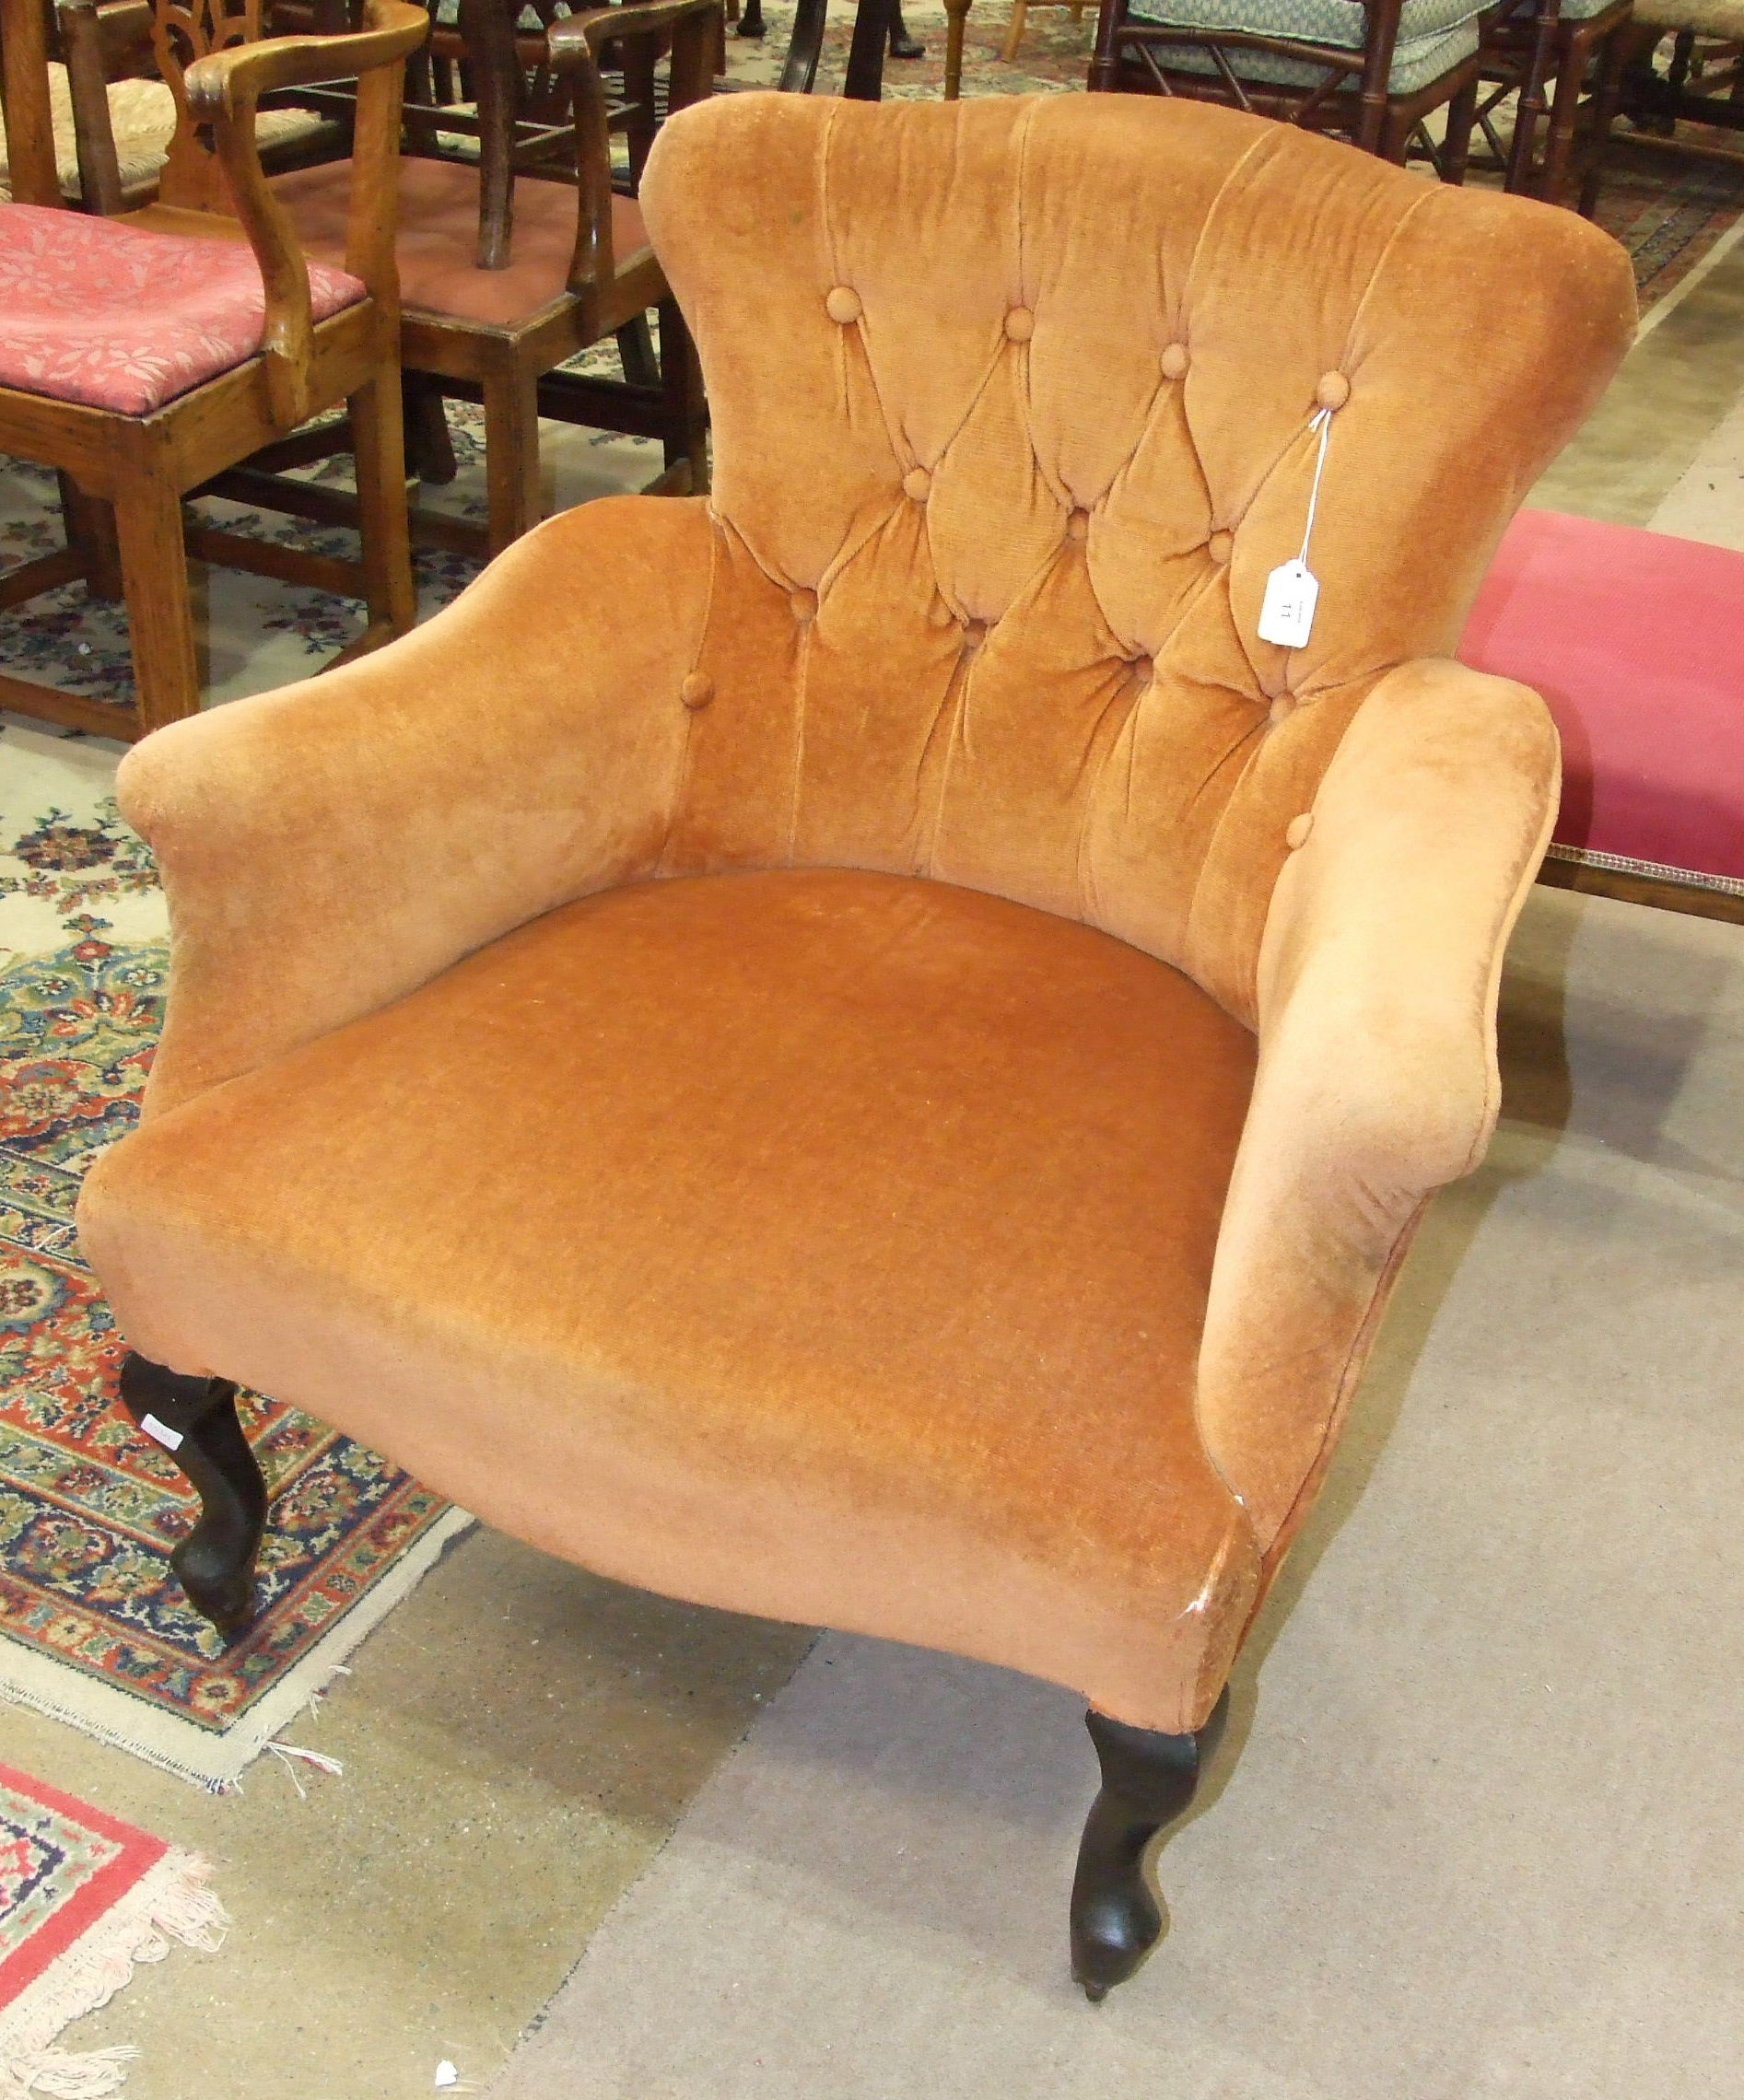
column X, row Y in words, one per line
column 1377, row 1080
column 328, row 847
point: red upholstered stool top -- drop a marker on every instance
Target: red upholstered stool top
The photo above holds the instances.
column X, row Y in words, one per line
column 116, row 316
column 1636, row 641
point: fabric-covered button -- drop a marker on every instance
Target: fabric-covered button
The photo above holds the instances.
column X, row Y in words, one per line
column 1283, row 707
column 916, row 482
column 1296, row 831
column 697, row 690
column 1077, row 525
column 1019, row 324
column 805, row 605
column 1175, row 361
column 1220, row 546
column 1333, row 390
column 842, row 303
column 1144, row 670
column 973, row 634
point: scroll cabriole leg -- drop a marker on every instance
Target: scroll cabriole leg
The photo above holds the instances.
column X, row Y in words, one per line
column 216, row 1562
column 1148, row 1779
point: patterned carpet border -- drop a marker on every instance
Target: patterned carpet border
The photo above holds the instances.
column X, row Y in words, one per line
column 94, row 1629
column 83, row 1897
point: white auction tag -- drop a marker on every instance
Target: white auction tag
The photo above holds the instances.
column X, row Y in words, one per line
column 170, row 1438
column 1287, row 615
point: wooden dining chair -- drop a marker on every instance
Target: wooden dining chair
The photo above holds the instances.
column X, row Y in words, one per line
column 141, row 355
column 575, row 267
column 1371, row 74
column 1562, row 62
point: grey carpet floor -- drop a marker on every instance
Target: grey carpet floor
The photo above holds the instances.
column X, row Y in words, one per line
column 1473, row 1834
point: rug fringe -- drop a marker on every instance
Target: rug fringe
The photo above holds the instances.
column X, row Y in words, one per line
column 215, row 1762
column 169, row 1902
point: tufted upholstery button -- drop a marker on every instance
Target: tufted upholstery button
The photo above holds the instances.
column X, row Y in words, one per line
column 1333, row 390
column 842, row 303
column 1175, row 361
column 973, row 634
column 1077, row 525
column 1144, row 670
column 1282, row 709
column 697, row 690
column 916, row 482
column 803, row 604
column 1296, row 831
column 1019, row 324
column 1220, row 546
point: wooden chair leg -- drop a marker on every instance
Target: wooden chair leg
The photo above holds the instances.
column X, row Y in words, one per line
column 378, row 438
column 686, row 411
column 1558, row 136
column 956, row 24
column 1147, row 1781
column 153, row 564
column 1014, row 35
column 1606, row 99
column 635, row 353
column 89, row 525
column 511, row 457
column 430, row 444
column 194, row 1421
column 1462, row 113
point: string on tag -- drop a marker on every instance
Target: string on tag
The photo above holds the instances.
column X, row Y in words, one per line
column 1286, row 616
column 1322, row 422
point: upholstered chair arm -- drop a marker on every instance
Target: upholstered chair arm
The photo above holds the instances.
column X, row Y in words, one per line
column 330, row 846
column 1377, row 1078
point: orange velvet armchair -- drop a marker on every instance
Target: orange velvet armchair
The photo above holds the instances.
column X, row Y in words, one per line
column 862, row 1050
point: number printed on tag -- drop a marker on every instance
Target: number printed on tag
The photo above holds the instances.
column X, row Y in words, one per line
column 1287, row 615
column 170, row 1439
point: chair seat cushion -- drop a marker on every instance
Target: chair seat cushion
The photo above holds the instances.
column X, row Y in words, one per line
column 142, row 121
column 437, row 245
column 1635, row 639
column 765, row 1240
column 117, row 316
column 1433, row 37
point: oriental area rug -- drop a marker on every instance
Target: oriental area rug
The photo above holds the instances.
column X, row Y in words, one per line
column 94, row 1629
column 83, row 1897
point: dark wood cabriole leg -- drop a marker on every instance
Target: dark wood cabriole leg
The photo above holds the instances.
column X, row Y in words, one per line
column 194, row 1420
column 1147, row 1781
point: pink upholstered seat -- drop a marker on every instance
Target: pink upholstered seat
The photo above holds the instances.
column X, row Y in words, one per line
column 116, row 316
column 1636, row 641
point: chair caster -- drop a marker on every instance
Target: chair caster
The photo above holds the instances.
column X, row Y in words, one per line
column 1094, row 1993
column 907, row 47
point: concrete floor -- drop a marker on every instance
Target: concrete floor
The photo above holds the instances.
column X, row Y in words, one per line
column 519, row 1738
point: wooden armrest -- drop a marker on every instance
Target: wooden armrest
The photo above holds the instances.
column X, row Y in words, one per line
column 582, row 33
column 224, row 87
column 574, row 43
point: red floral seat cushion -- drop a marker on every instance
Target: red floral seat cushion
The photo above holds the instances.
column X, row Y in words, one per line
column 116, row 316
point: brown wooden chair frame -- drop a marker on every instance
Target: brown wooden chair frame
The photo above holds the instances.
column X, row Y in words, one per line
column 511, row 369
column 124, row 477
column 1352, row 97
column 1549, row 57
